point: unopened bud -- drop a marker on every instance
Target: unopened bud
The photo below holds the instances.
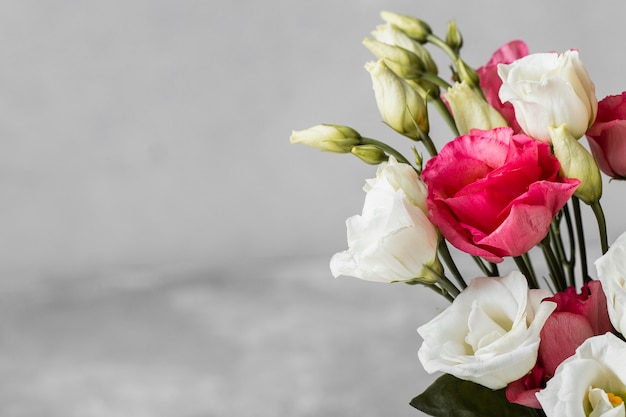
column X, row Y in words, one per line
column 467, row 74
column 577, row 162
column 453, row 37
column 412, row 26
column 400, row 106
column 470, row 111
column 370, row 154
column 402, row 61
column 419, row 160
column 430, row 273
column 391, row 35
column 327, row 137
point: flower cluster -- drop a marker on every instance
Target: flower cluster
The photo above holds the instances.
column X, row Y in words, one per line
column 514, row 175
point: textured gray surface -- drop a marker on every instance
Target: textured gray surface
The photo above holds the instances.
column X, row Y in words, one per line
column 285, row 340
column 164, row 249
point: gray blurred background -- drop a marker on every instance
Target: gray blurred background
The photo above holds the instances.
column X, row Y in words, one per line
column 164, row 249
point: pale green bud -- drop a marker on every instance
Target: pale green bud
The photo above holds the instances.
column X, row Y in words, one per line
column 453, row 37
column 412, row 26
column 470, row 110
column 401, row 61
column 467, row 73
column 577, row 162
column 400, row 106
column 425, row 89
column 430, row 274
column 370, row 154
column 419, row 161
column 328, row 138
column 391, row 35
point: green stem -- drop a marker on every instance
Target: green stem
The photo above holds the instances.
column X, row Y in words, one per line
column 597, row 210
column 449, row 286
column 428, row 144
column 444, row 251
column 556, row 271
column 435, row 79
column 529, row 265
column 445, row 283
column 525, row 267
column 441, row 44
column 581, row 239
column 557, row 241
column 441, row 292
column 445, row 114
column 571, row 262
column 386, row 148
column 454, row 56
column 493, row 272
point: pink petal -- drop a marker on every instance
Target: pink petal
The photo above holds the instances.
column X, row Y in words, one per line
column 524, row 389
column 562, row 333
column 509, row 52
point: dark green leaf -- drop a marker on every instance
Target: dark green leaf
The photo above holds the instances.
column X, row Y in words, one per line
column 449, row 396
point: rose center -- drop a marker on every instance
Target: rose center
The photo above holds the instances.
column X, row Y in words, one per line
column 601, row 402
column 615, row 400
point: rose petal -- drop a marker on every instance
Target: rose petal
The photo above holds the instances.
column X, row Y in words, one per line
column 562, row 333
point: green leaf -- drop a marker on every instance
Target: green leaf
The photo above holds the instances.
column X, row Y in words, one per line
column 449, row 396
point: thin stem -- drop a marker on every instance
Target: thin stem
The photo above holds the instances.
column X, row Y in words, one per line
column 571, row 262
column 556, row 271
column 445, row 283
column 581, row 239
column 597, row 210
column 557, row 240
column 441, row 292
column 493, row 272
column 386, row 148
column 523, row 267
column 529, row 265
column 441, row 44
column 454, row 56
column 526, row 268
column 435, row 79
column 428, row 144
column 444, row 251
column 449, row 286
column 445, row 114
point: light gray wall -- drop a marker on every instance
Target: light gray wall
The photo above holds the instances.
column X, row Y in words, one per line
column 150, row 133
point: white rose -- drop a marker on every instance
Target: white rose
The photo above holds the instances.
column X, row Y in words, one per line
column 612, row 274
column 401, row 177
column 549, row 90
column 591, row 383
column 489, row 334
column 392, row 240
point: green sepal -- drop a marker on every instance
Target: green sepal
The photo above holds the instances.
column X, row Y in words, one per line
column 449, row 396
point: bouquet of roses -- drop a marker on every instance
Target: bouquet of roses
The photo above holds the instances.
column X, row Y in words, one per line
column 513, row 177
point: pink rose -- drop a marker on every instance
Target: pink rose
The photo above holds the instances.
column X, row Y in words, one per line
column 493, row 194
column 576, row 318
column 607, row 136
column 490, row 81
